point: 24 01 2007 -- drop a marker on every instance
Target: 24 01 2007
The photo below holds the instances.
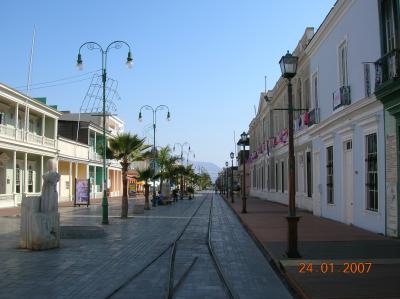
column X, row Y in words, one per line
column 329, row 267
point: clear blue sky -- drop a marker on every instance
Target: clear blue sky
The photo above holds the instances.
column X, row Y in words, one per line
column 205, row 59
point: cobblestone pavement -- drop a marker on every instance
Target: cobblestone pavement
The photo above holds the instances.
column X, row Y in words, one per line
column 94, row 267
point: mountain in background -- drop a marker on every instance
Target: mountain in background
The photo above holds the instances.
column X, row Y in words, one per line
column 209, row 167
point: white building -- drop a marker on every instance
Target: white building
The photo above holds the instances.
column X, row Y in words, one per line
column 269, row 137
column 348, row 143
column 28, row 138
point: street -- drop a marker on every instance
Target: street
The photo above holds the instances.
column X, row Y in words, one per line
column 132, row 258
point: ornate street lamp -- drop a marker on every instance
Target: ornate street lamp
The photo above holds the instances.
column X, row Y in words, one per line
column 244, row 138
column 154, row 111
column 232, row 155
column 288, row 64
column 79, row 63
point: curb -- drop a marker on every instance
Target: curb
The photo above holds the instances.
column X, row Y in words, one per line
column 293, row 287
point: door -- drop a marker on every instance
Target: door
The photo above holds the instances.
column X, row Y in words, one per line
column 2, row 180
column 348, row 181
column 316, row 186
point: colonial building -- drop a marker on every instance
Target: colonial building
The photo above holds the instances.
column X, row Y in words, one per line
column 348, row 143
column 81, row 136
column 387, row 90
column 269, row 136
column 28, row 138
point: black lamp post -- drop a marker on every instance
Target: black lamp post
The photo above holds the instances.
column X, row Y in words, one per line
column 232, row 156
column 244, row 139
column 154, row 111
column 226, row 179
column 288, row 64
column 79, row 63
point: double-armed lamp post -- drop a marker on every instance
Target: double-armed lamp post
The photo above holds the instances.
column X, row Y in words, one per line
column 95, row 46
column 182, row 145
column 154, row 111
column 232, row 155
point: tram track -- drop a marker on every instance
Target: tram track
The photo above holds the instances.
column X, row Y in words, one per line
column 173, row 286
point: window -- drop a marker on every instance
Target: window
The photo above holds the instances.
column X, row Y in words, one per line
column 298, row 104
column 389, row 25
column 30, row 179
column 371, row 172
column 343, row 80
column 276, row 177
column 309, row 175
column 283, row 176
column 2, row 118
column 329, row 174
column 315, row 90
column 17, row 179
column 307, row 93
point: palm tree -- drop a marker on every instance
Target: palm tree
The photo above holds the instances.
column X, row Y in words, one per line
column 165, row 161
column 146, row 175
column 127, row 148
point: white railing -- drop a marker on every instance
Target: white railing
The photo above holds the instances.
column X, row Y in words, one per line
column 7, row 131
column 33, row 138
column 94, row 156
column 71, row 148
column 49, row 142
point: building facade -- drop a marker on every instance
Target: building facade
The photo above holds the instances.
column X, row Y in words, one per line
column 269, row 137
column 348, row 143
column 81, row 137
column 28, row 138
column 387, row 90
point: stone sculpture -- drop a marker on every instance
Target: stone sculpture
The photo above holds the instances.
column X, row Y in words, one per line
column 40, row 220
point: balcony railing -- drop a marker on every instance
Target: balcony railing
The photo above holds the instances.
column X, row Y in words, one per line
column 387, row 68
column 341, row 97
column 313, row 117
column 21, row 135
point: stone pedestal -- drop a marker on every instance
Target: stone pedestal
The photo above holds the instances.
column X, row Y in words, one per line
column 39, row 231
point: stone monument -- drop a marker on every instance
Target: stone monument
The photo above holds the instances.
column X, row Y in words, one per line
column 40, row 220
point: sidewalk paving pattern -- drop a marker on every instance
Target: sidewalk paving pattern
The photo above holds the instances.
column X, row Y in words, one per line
column 95, row 267
column 323, row 240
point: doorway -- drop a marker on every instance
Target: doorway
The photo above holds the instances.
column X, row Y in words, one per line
column 348, row 181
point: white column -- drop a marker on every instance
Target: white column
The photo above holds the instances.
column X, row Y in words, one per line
column 26, row 173
column 43, row 126
column 16, row 115
column 76, row 169
column 95, row 146
column 95, row 181
column 55, row 128
column 26, row 124
column 41, row 173
column 70, row 180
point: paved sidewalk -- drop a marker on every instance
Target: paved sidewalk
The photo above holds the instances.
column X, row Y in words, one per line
column 325, row 241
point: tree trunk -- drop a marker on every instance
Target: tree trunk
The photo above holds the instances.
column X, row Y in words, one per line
column 124, row 208
column 146, row 197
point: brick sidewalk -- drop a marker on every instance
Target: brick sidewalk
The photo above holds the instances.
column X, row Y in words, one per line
column 325, row 241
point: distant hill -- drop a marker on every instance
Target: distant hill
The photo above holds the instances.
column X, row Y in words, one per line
column 209, row 167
